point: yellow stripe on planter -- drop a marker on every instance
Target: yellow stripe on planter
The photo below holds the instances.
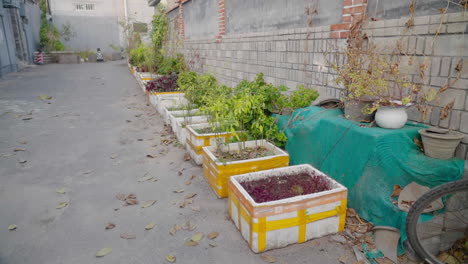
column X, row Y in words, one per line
column 217, row 173
column 154, row 93
column 269, row 225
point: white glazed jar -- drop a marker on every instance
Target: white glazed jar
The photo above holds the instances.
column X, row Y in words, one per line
column 391, row 117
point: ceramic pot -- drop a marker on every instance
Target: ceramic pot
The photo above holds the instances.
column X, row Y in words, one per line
column 438, row 145
column 393, row 117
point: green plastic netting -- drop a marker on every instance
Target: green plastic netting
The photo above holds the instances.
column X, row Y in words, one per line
column 368, row 161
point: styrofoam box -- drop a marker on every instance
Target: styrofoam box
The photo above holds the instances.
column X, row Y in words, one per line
column 168, row 100
column 218, row 172
column 178, row 125
column 196, row 141
column 297, row 219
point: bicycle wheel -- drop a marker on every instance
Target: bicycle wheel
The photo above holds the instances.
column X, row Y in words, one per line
column 441, row 237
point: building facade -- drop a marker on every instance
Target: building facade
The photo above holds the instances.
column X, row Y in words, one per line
column 290, row 41
column 19, row 33
column 99, row 23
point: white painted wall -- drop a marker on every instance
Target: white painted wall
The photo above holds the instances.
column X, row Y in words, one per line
column 99, row 27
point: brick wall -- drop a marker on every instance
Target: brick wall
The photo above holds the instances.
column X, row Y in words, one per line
column 297, row 56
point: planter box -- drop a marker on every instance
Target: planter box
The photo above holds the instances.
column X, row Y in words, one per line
column 196, row 141
column 279, row 223
column 169, row 99
column 217, row 173
column 178, row 125
column 167, row 114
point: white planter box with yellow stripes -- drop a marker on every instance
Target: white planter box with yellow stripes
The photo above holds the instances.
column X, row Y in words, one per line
column 165, row 100
column 297, row 219
column 196, row 141
column 217, row 172
column 179, row 125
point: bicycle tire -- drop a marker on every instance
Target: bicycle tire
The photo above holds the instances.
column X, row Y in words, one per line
column 416, row 210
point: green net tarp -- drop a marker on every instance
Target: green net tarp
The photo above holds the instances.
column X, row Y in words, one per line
column 368, row 161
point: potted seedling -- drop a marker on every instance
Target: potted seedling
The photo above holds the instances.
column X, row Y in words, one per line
column 244, row 114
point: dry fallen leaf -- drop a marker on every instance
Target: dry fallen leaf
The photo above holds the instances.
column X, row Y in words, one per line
column 396, row 190
column 148, row 203
column 131, row 196
column 343, row 259
column 192, row 177
column 191, row 243
column 190, row 195
column 19, row 149
column 110, row 226
column 12, row 227
column 189, row 226
column 131, row 201
column 62, row 205
column 150, row 226
column 350, row 212
column 188, row 182
column 197, row 237
column 44, row 97
column 146, row 178
column 268, row 259
column 196, row 208
column 212, row 235
column 174, row 229
column 127, row 236
column 121, row 196
column 213, row 244
column 171, row 258
column 179, row 191
column 187, row 157
column 60, row 191
column 103, row 252
column 151, row 156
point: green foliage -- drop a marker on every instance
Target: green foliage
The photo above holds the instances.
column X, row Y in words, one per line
column 48, row 33
column 86, row 53
column 300, row 98
column 246, row 109
column 138, row 55
column 160, row 28
column 200, row 90
column 168, row 65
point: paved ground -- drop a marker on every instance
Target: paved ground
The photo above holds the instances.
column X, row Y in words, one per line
column 92, row 139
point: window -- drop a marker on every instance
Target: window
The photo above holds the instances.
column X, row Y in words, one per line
column 84, row 6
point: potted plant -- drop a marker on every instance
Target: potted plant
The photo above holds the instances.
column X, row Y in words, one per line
column 180, row 120
column 277, row 207
column 177, row 109
column 243, row 113
column 204, row 135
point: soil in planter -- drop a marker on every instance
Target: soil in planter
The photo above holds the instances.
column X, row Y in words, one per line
column 187, row 115
column 244, row 154
column 209, row 130
column 287, row 186
column 184, row 107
